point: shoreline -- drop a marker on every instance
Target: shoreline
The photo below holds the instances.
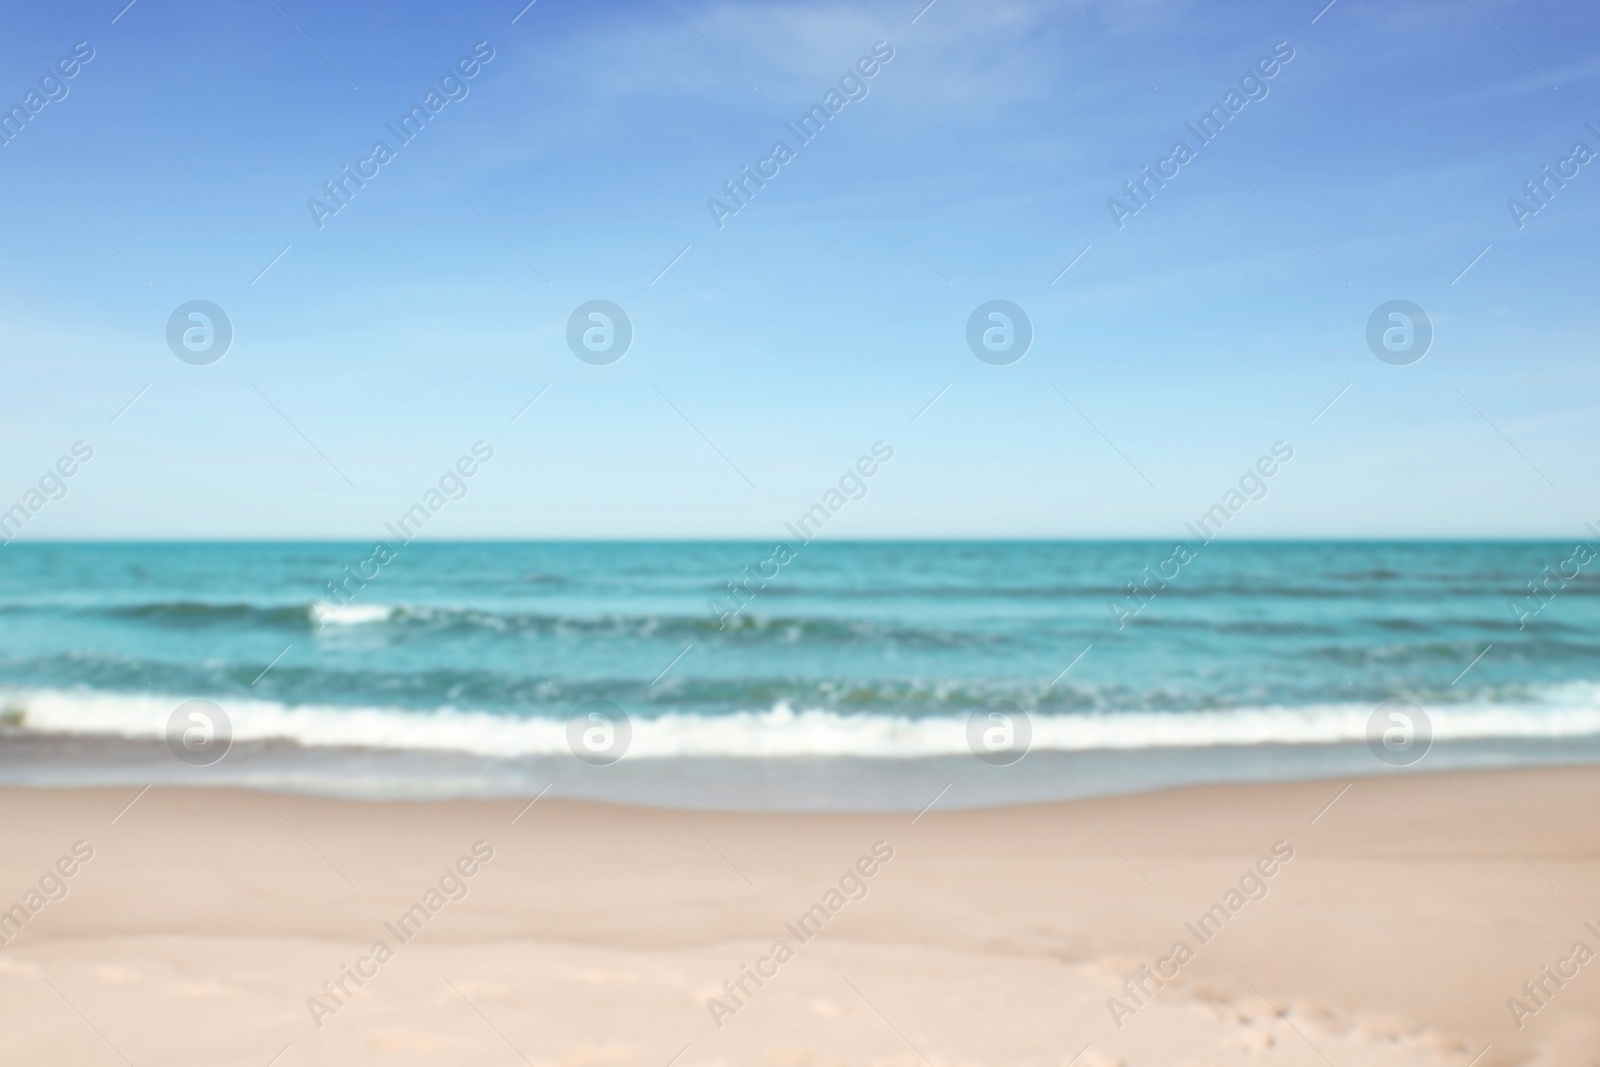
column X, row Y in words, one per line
column 839, row 784
column 1412, row 908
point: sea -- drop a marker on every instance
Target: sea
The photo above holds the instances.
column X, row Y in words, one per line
column 826, row 676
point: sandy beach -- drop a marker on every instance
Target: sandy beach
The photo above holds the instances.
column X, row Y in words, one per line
column 800, row 534
column 1386, row 923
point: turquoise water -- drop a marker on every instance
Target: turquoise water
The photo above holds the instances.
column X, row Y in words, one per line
column 851, row 649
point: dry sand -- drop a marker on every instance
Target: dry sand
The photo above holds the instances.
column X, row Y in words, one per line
column 1412, row 909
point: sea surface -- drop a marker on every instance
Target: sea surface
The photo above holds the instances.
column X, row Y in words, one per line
column 456, row 666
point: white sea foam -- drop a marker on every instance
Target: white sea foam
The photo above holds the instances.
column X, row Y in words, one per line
column 325, row 614
column 1571, row 710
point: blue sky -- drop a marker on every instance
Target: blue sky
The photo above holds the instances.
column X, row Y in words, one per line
column 828, row 312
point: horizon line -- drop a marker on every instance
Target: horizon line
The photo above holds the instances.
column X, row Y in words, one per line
column 931, row 540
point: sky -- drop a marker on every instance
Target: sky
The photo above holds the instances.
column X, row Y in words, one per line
column 1172, row 347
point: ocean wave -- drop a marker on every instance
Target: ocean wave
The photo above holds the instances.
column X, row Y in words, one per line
column 1570, row 710
column 198, row 613
column 754, row 626
column 324, row 614
column 206, row 613
column 318, row 615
